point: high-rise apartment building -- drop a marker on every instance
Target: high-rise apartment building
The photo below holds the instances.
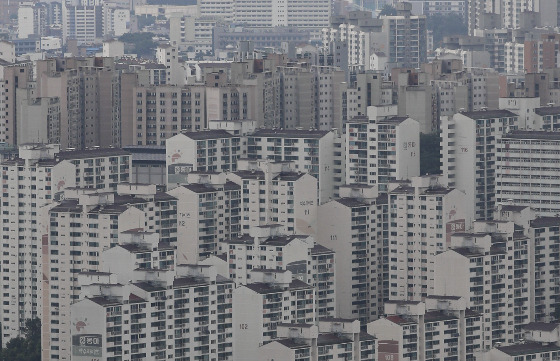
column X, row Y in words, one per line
column 526, row 170
column 274, row 192
column 423, row 215
column 491, row 268
column 332, row 339
column 273, row 297
column 32, row 181
column 379, row 151
column 270, row 248
column 313, row 14
column 89, row 96
column 469, row 142
column 209, row 212
column 316, row 152
column 181, row 313
column 80, row 227
column 441, row 327
column 405, row 37
column 348, row 226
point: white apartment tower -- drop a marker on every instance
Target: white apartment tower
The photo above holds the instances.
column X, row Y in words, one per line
column 274, row 192
column 184, row 313
column 527, row 169
column 269, row 248
column 491, row 268
column 29, row 183
column 469, row 142
column 316, row 152
column 271, row 298
column 347, row 226
column 209, row 212
column 381, row 151
column 441, row 327
column 422, row 216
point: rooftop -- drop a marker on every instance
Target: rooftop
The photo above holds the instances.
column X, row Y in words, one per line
column 290, row 133
column 541, row 326
column 545, row 222
column 92, row 153
column 548, row 110
column 352, row 202
column 489, row 114
column 532, row 134
column 527, row 348
column 208, row 134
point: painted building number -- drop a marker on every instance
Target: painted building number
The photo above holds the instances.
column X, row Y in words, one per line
column 243, row 326
column 464, row 149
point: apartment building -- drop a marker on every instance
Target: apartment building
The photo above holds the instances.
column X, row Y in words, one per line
column 270, row 248
column 544, row 232
column 406, row 39
column 379, row 151
column 369, row 89
column 547, row 118
column 541, row 343
column 264, row 14
column 527, row 170
column 162, row 112
column 99, row 168
column 358, row 36
column 208, row 150
column 184, row 314
column 491, row 269
column 274, row 192
column 72, row 246
column 422, row 216
column 469, row 141
column 331, row 339
column 316, row 152
column 223, row 9
column 209, row 212
column 441, row 327
column 89, row 97
column 15, row 77
column 82, row 22
column 29, row 183
column 348, row 226
column 272, row 297
column 32, row 20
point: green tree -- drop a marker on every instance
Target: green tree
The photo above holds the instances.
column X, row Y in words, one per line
column 430, row 153
column 388, row 10
column 143, row 43
column 26, row 348
column 145, row 20
column 446, row 25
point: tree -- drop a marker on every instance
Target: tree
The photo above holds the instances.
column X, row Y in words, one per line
column 144, row 44
column 26, row 348
column 445, row 25
column 145, row 20
column 430, row 153
column 388, row 10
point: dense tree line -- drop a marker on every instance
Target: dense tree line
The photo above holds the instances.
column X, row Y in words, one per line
column 26, row 348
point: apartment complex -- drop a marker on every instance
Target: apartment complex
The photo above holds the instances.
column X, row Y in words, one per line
column 184, row 313
column 491, row 269
column 270, row 248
